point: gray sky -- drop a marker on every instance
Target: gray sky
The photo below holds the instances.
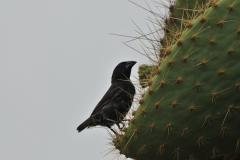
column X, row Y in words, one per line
column 57, row 57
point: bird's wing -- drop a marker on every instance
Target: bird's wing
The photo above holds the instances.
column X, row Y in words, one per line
column 113, row 92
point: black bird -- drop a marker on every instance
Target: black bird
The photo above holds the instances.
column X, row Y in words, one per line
column 116, row 102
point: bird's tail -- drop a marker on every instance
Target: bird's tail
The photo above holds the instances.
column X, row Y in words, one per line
column 85, row 124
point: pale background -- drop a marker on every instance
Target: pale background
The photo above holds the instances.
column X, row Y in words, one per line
column 56, row 61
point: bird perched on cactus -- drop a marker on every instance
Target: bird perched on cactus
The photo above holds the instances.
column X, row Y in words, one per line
column 116, row 102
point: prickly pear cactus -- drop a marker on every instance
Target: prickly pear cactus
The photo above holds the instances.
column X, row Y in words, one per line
column 192, row 107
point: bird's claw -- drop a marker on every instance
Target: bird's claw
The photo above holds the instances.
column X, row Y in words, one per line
column 123, row 125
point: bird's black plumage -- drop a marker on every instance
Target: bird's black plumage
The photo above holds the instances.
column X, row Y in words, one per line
column 116, row 102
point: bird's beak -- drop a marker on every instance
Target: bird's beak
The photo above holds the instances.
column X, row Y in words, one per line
column 130, row 64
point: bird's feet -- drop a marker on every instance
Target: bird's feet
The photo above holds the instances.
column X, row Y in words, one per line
column 120, row 127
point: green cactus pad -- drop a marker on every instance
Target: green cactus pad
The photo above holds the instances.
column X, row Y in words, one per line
column 192, row 108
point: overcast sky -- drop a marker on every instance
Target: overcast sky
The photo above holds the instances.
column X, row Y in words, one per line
column 56, row 61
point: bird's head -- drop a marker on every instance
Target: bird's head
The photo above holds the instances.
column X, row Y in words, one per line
column 123, row 71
